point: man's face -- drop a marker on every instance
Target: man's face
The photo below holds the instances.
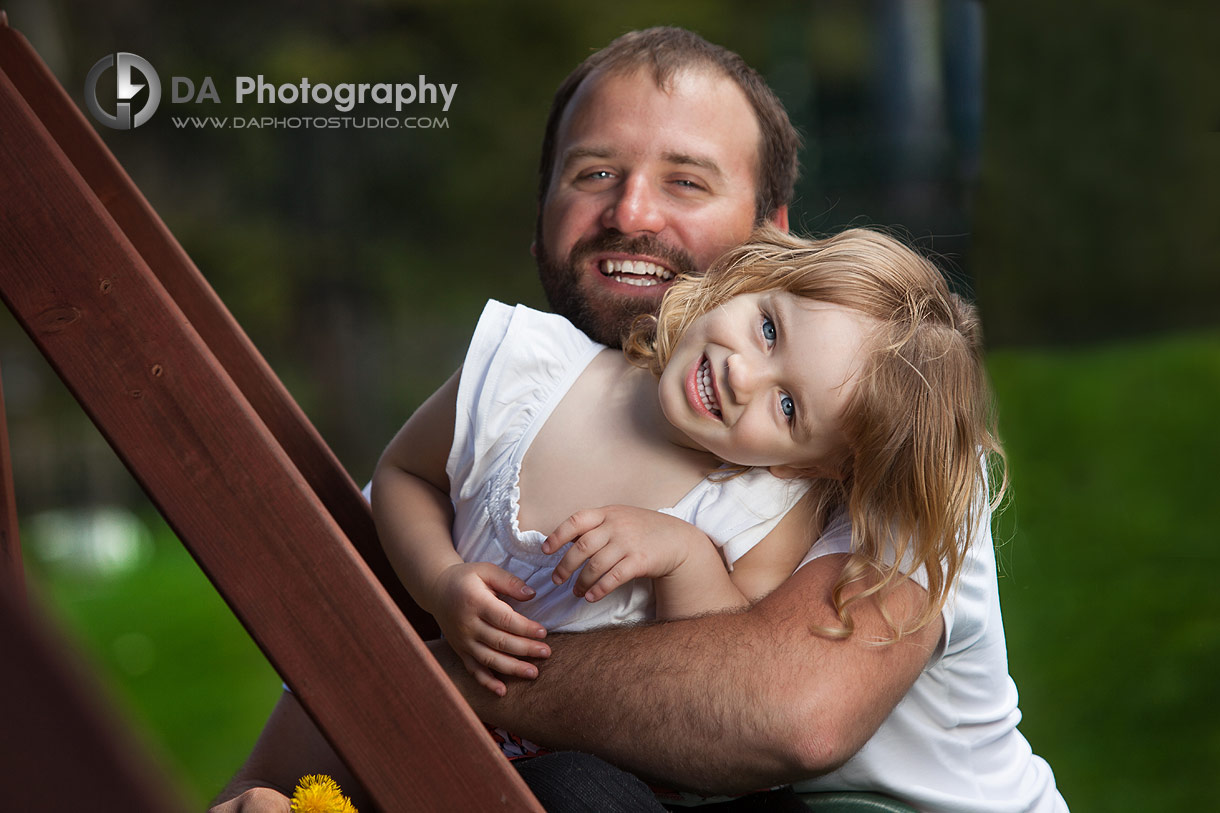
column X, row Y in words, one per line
column 647, row 184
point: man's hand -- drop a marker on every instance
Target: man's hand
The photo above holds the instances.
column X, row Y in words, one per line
column 255, row 800
column 618, row 543
column 486, row 633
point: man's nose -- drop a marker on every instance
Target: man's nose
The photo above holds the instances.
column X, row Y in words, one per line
column 636, row 209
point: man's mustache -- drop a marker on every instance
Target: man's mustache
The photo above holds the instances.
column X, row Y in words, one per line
column 675, row 259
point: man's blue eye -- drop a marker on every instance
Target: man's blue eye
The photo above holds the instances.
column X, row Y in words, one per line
column 768, row 329
column 786, row 406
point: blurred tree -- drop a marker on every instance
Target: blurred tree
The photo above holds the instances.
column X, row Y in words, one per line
column 1098, row 205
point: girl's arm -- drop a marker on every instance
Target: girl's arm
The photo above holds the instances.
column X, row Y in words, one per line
column 410, row 496
column 618, row 543
column 769, row 563
column 414, row 517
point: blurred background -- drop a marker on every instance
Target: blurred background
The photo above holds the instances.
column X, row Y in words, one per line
column 1061, row 160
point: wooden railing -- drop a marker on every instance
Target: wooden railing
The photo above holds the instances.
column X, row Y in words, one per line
column 232, row 463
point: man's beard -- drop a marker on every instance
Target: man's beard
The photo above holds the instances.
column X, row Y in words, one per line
column 601, row 315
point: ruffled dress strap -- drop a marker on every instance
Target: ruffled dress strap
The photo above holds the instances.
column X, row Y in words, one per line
column 738, row 510
column 520, row 364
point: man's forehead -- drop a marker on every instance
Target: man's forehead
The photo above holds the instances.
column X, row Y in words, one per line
column 637, row 84
column 702, row 101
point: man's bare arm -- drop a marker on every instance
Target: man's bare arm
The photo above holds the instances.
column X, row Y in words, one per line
column 729, row 702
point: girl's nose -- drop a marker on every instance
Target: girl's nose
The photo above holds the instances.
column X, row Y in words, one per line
column 743, row 376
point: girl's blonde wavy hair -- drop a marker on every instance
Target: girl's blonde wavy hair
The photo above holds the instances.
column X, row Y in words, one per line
column 919, row 422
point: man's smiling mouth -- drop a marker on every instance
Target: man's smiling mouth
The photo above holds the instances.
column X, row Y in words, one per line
column 635, row 272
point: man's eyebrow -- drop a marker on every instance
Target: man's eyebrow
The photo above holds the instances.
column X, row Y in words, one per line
column 578, row 153
column 687, row 159
column 680, row 158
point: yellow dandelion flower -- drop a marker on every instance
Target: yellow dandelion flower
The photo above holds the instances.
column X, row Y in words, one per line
column 318, row 793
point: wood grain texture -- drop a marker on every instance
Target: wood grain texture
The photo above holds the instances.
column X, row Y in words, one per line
column 150, row 238
column 251, row 518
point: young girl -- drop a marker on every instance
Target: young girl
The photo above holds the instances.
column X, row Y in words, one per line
column 796, row 379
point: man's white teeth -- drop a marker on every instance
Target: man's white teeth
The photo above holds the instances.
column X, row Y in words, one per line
column 706, row 392
column 636, row 272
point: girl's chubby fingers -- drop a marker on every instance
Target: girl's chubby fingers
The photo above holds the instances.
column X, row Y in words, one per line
column 581, row 554
column 566, row 567
column 609, row 569
column 501, row 617
column 576, row 525
column 482, row 675
column 505, row 583
column 503, row 664
column 570, row 563
column 521, row 646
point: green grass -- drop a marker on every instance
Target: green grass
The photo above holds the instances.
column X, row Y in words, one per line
column 174, row 658
column 1108, row 556
column 1110, row 566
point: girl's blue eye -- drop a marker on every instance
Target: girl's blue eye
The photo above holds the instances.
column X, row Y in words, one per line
column 786, row 406
column 768, row 329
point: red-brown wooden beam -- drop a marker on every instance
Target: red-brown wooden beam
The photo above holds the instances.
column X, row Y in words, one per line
column 230, row 492
column 187, row 286
column 63, row 751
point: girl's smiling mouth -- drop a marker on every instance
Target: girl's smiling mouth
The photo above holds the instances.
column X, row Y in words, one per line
column 701, row 389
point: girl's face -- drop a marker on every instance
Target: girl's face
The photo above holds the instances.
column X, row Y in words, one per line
column 763, row 379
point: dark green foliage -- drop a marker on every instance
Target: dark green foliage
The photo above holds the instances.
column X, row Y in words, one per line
column 1109, row 562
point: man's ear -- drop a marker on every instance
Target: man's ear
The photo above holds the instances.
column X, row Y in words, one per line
column 534, row 249
column 779, row 218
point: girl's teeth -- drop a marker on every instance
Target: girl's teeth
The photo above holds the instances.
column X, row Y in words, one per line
column 706, row 392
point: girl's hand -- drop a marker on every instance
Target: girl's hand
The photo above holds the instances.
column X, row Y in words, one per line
column 618, row 543
column 485, row 632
